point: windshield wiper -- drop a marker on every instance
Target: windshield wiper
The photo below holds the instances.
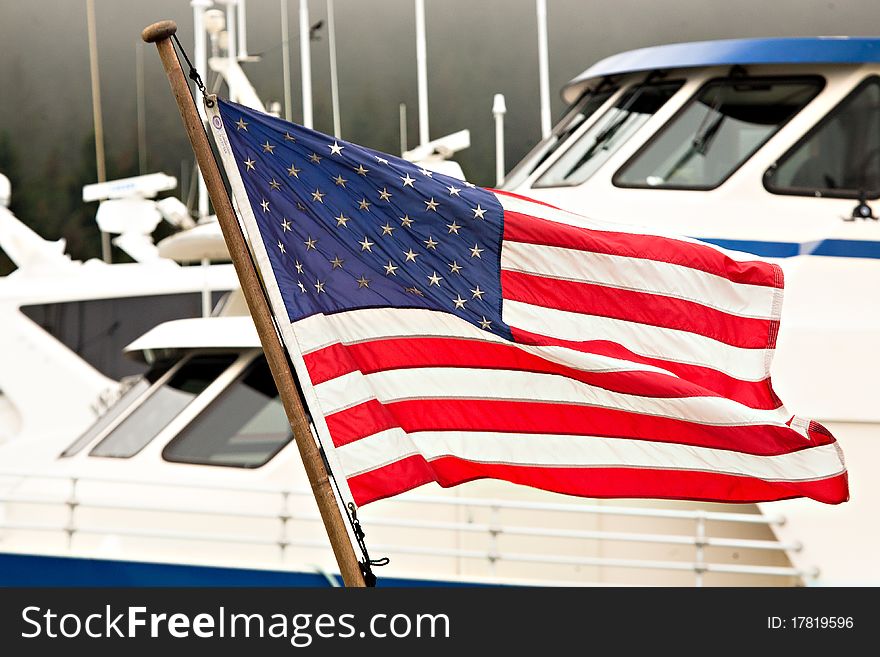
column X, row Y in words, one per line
column 705, row 134
column 606, row 134
column 702, row 140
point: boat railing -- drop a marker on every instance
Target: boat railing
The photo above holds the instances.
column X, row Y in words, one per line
column 487, row 522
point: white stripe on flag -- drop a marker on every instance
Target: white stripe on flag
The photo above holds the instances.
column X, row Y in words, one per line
column 552, row 450
column 510, row 385
column 534, row 209
column 643, row 339
column 355, row 326
column 641, row 275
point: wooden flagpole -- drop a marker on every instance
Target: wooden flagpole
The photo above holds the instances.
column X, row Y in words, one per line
column 160, row 34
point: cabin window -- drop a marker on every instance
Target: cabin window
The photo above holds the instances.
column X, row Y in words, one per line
column 719, row 129
column 243, row 427
column 602, row 139
column 573, row 119
column 131, row 393
column 840, row 157
column 98, row 330
column 163, row 404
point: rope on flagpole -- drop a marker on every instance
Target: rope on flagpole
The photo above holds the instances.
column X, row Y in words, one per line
column 367, row 564
column 360, row 535
column 193, row 73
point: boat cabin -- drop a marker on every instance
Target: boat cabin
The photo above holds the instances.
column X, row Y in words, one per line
column 770, row 146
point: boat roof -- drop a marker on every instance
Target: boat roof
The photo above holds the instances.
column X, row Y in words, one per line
column 235, row 332
column 729, row 52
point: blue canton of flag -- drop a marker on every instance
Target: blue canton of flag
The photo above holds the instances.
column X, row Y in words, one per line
column 347, row 227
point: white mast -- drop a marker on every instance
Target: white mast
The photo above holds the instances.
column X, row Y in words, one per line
column 200, row 58
column 285, row 61
column 306, row 61
column 334, row 79
column 242, row 30
column 231, row 33
column 543, row 67
column 404, row 141
column 499, row 109
column 422, row 65
column 98, row 120
column 141, row 107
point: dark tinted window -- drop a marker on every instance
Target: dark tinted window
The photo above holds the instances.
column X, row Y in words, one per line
column 718, row 130
column 841, row 156
column 164, row 404
column 607, row 134
column 244, row 427
column 99, row 329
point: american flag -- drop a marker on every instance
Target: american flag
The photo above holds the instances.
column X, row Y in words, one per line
column 447, row 333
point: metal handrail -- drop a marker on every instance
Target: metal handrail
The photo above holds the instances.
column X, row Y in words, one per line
column 754, row 518
column 469, row 527
column 493, row 529
column 608, row 562
column 482, row 555
column 466, row 502
column 169, row 535
column 542, row 532
column 583, row 534
column 257, row 488
column 143, row 507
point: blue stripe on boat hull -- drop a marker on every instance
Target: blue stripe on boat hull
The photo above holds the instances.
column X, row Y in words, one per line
column 829, row 247
column 27, row 570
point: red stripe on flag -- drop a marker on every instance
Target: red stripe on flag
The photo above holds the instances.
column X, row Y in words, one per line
column 499, row 192
column 528, row 417
column 637, row 307
column 405, row 353
column 397, row 477
column 532, row 230
column 360, row 421
column 329, row 362
column 594, row 482
column 757, row 394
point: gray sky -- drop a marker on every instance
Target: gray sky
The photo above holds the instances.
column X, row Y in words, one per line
column 476, row 48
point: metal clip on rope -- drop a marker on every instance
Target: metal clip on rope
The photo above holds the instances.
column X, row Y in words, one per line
column 194, row 74
column 367, row 563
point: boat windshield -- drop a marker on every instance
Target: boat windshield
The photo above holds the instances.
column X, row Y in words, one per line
column 163, row 402
column 720, row 128
column 579, row 112
column 243, row 427
column 602, row 139
column 132, row 390
column 840, row 157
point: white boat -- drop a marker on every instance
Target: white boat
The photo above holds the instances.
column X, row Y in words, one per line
column 64, row 323
column 190, row 478
column 770, row 146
